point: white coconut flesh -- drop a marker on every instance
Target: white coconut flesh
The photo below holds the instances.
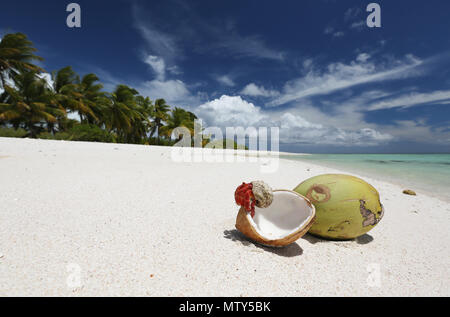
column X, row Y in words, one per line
column 288, row 213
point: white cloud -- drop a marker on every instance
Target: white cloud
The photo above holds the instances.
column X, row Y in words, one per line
column 418, row 131
column 307, row 63
column 296, row 129
column 370, row 135
column 158, row 42
column 247, row 46
column 174, row 70
column 47, row 77
column 412, row 99
column 191, row 29
column 233, row 111
column 358, row 25
column 345, row 119
column 158, row 65
column 363, row 57
column 352, row 13
column 9, row 82
column 338, row 76
column 330, row 30
column 175, row 92
column 258, row 91
column 225, row 37
column 226, row 80
column 289, row 121
column 230, row 111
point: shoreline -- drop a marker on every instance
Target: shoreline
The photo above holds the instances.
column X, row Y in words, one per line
column 133, row 222
column 371, row 175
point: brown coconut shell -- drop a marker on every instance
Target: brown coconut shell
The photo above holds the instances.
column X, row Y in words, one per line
column 247, row 229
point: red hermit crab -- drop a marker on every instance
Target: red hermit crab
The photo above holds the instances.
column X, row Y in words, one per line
column 255, row 193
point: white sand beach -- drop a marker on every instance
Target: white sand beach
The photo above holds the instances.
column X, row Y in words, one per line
column 93, row 219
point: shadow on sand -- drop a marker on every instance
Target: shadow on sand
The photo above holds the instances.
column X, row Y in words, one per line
column 364, row 239
column 289, row 251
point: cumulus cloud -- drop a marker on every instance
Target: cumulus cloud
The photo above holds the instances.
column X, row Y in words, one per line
column 290, row 121
column 230, row 111
column 258, row 91
column 233, row 111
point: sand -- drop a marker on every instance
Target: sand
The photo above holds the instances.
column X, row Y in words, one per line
column 91, row 219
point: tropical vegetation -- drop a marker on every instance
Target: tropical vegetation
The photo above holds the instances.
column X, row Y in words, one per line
column 66, row 106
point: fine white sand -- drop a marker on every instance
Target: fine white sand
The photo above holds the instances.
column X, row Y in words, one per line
column 80, row 219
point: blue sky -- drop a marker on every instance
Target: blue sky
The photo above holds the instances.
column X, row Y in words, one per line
column 312, row 68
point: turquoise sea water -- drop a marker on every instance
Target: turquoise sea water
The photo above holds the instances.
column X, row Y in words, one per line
column 426, row 172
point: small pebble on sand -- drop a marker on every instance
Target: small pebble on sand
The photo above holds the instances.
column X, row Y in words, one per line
column 409, row 192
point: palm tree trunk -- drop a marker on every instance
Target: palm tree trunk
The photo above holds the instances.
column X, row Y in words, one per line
column 32, row 129
column 158, row 126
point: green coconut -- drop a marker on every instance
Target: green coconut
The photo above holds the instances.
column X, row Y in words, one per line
column 346, row 206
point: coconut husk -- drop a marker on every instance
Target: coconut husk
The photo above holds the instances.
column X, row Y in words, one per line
column 246, row 228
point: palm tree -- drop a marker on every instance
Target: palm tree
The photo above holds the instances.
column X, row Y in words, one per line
column 145, row 104
column 142, row 124
column 92, row 98
column 16, row 53
column 79, row 96
column 64, row 78
column 160, row 114
column 122, row 110
column 140, row 110
column 30, row 104
column 64, row 84
column 178, row 118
